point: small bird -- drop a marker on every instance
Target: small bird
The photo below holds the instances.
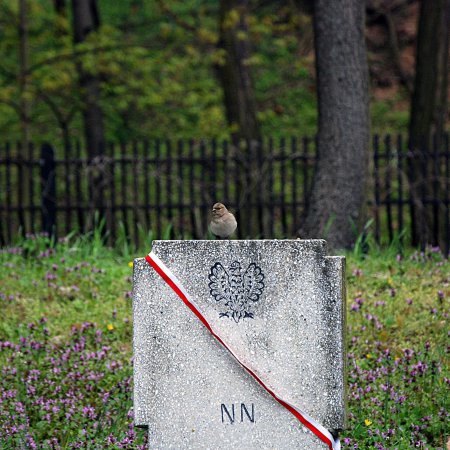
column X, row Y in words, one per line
column 223, row 222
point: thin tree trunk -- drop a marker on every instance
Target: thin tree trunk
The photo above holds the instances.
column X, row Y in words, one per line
column 23, row 79
column 339, row 185
column 24, row 102
column 86, row 20
column 60, row 7
column 234, row 73
column 240, row 107
column 430, row 78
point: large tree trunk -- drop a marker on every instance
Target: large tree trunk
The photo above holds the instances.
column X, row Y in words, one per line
column 339, row 186
column 240, row 107
column 85, row 20
column 428, row 109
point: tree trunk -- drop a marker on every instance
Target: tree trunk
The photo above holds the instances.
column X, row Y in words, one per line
column 427, row 110
column 60, row 7
column 240, row 107
column 339, row 185
column 85, row 20
column 23, row 77
column 234, row 74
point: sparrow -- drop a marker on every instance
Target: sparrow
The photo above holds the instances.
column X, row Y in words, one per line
column 223, row 222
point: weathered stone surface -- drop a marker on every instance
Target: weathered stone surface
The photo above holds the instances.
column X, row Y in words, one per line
column 291, row 332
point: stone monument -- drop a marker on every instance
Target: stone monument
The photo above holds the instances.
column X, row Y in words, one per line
column 240, row 344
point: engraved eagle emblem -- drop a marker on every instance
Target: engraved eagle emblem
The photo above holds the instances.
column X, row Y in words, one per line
column 236, row 290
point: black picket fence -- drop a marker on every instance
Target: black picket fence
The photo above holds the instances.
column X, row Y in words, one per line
column 163, row 188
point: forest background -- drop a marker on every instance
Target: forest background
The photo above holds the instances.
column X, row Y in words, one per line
column 157, row 65
column 91, row 73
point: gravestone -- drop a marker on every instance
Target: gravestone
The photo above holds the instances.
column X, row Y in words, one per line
column 279, row 305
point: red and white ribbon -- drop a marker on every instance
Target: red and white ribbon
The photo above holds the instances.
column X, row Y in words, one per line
column 166, row 274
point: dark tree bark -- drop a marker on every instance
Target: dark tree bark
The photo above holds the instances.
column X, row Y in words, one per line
column 234, row 73
column 23, row 78
column 339, row 185
column 85, row 20
column 24, row 102
column 60, row 7
column 306, row 6
column 428, row 111
column 62, row 117
column 240, row 108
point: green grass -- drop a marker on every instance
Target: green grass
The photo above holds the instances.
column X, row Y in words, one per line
column 398, row 365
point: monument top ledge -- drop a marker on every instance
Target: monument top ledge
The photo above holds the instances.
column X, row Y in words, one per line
column 318, row 247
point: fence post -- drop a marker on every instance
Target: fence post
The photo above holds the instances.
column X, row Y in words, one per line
column 48, row 189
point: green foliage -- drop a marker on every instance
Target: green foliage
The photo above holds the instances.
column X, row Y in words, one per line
column 387, row 117
column 156, row 62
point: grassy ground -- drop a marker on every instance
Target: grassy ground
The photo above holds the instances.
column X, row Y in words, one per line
column 65, row 348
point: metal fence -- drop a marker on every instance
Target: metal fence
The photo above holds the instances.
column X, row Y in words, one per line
column 168, row 188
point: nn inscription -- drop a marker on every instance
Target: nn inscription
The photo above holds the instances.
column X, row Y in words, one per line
column 229, row 413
